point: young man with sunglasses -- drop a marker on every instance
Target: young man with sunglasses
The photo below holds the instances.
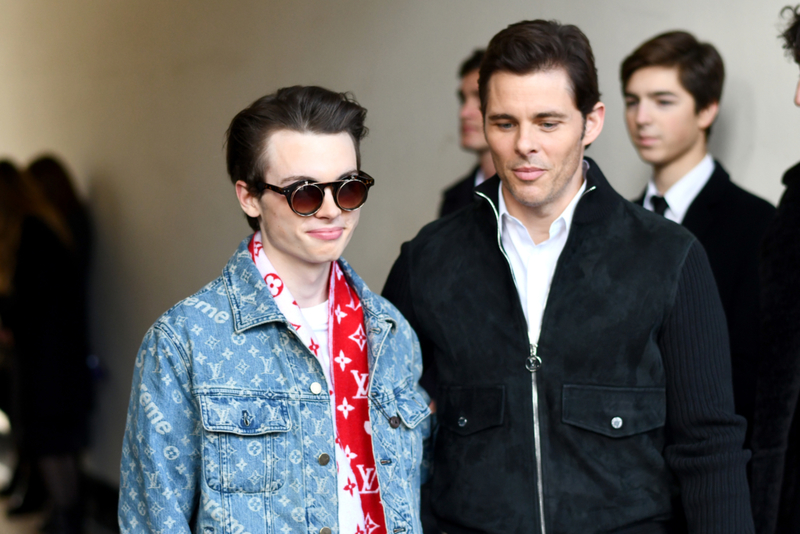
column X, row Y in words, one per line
column 283, row 396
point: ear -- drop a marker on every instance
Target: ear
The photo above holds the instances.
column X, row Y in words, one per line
column 248, row 201
column 594, row 123
column 706, row 116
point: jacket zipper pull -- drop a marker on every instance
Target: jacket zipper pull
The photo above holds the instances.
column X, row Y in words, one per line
column 533, row 363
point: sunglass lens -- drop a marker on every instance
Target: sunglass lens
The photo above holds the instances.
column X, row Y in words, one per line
column 307, row 199
column 352, row 195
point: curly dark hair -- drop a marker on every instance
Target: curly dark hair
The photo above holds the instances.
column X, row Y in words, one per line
column 791, row 35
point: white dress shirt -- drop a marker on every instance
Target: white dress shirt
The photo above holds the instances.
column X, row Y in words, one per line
column 681, row 195
column 534, row 265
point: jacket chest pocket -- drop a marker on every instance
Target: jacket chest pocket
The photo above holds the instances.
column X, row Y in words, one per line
column 615, row 412
column 244, row 447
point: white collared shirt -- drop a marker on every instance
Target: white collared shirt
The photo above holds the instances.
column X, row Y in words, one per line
column 534, row 265
column 681, row 195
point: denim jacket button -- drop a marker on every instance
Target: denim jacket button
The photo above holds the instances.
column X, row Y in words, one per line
column 394, row 421
column 325, row 530
column 616, row 423
column 462, row 421
column 316, row 388
column 324, row 459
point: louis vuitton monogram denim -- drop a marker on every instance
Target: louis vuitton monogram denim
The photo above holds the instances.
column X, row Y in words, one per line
column 230, row 429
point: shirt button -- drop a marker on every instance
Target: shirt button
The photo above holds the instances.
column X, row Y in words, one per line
column 394, row 421
column 325, row 530
column 616, row 423
column 462, row 421
column 324, row 459
column 316, row 389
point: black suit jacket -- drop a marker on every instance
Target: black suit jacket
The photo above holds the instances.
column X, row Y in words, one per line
column 459, row 194
column 730, row 222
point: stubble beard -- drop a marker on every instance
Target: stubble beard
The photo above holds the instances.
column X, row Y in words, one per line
column 559, row 186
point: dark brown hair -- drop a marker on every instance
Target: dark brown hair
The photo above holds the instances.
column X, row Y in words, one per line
column 56, row 184
column 298, row 108
column 540, row 45
column 472, row 63
column 791, row 35
column 700, row 67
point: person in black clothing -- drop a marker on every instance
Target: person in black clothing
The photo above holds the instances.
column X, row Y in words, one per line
column 584, row 380
column 47, row 317
column 472, row 139
column 776, row 433
column 672, row 86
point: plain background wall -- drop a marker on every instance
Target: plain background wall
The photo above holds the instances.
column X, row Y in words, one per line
column 136, row 97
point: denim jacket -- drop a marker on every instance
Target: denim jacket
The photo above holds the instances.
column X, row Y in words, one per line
column 225, row 432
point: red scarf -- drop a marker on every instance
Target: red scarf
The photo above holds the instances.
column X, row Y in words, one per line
column 360, row 506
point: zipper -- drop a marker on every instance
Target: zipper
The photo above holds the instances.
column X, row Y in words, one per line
column 532, row 363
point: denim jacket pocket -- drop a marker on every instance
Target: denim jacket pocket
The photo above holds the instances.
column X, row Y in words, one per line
column 245, row 446
column 470, row 409
column 411, row 406
column 615, row 412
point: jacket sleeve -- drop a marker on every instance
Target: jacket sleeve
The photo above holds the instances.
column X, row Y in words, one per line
column 704, row 435
column 160, row 468
column 398, row 290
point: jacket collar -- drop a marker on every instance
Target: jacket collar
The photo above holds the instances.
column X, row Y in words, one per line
column 700, row 215
column 598, row 200
column 253, row 305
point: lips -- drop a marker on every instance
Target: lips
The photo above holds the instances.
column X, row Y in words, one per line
column 644, row 141
column 528, row 173
column 327, row 234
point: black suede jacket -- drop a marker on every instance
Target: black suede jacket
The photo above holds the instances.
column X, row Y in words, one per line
column 623, row 419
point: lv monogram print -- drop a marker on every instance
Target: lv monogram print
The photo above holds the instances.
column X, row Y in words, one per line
column 230, row 420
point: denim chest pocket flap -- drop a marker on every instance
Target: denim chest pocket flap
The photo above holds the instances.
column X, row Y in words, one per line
column 470, row 409
column 614, row 411
column 246, row 446
column 244, row 416
column 411, row 406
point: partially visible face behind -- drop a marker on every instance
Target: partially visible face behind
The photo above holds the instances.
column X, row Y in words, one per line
column 471, row 119
column 797, row 95
column 292, row 241
column 537, row 137
column 661, row 119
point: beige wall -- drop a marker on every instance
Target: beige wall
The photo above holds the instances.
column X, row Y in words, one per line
column 137, row 95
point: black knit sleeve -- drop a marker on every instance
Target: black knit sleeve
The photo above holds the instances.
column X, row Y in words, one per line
column 398, row 290
column 704, row 435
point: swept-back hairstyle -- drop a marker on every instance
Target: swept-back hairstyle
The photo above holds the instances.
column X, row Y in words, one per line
column 297, row 108
column 539, row 45
column 700, row 67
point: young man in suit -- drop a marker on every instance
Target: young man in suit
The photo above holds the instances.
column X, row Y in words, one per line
column 672, row 86
column 460, row 194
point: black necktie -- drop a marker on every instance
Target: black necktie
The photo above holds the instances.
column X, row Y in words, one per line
column 659, row 204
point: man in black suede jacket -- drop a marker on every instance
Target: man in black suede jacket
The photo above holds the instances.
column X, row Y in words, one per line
column 584, row 380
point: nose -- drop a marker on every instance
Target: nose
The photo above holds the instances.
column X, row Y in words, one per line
column 642, row 114
column 329, row 209
column 797, row 95
column 526, row 142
